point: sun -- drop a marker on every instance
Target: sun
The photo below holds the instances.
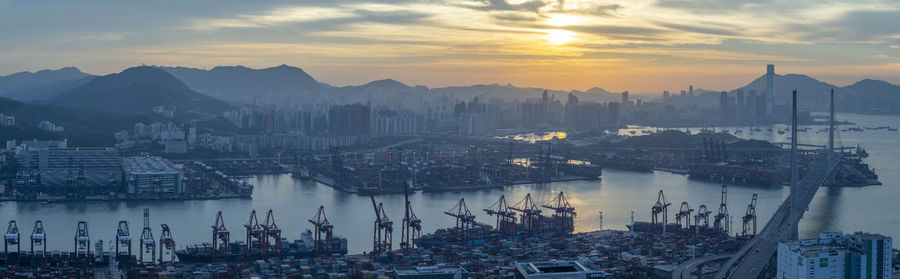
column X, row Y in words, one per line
column 559, row 37
column 560, row 20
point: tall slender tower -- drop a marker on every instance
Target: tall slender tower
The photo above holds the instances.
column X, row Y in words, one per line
column 795, row 196
column 770, row 91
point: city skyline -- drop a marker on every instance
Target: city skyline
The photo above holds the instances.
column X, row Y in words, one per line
column 642, row 46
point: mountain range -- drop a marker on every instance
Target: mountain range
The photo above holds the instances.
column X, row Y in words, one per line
column 136, row 90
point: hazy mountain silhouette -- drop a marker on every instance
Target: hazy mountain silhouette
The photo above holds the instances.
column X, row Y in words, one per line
column 872, row 96
column 241, row 83
column 291, row 86
column 42, row 84
column 865, row 96
column 135, row 91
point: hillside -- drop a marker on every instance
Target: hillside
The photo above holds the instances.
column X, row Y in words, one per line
column 135, row 91
column 239, row 83
column 82, row 127
column 42, row 84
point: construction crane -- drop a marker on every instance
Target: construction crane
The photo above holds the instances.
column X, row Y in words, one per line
column 11, row 238
column 506, row 217
column 684, row 213
column 661, row 207
column 272, row 239
column 255, row 235
column 565, row 213
column 531, row 214
column 702, row 215
column 750, row 217
column 166, row 245
column 39, row 237
column 123, row 238
column 412, row 225
column 82, row 240
column 148, row 243
column 465, row 221
column 383, row 230
column 220, row 233
column 721, row 219
column 323, row 227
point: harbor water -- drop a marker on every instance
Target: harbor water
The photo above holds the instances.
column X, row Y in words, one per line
column 869, row 209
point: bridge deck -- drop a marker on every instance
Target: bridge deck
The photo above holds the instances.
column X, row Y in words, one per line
column 755, row 255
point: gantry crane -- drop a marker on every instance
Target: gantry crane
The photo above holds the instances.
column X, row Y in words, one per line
column 531, row 213
column 272, row 234
column 506, row 217
column 82, row 240
column 661, row 207
column 123, row 239
column 383, row 229
column 721, row 219
column 11, row 238
column 323, row 228
column 412, row 225
column 255, row 235
column 702, row 215
column 750, row 217
column 148, row 243
column 220, row 233
column 166, row 245
column 39, row 237
column 465, row 221
column 684, row 213
column 565, row 213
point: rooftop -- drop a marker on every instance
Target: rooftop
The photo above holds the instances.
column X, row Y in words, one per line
column 148, row 165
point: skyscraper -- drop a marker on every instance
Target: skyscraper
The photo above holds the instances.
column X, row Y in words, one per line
column 691, row 90
column 665, row 93
column 625, row 98
column 770, row 91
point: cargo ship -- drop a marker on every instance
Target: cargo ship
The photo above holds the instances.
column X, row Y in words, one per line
column 303, row 247
column 734, row 174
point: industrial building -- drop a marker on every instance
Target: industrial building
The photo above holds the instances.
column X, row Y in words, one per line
column 152, row 175
column 555, row 270
column 430, row 272
column 75, row 170
column 836, row 255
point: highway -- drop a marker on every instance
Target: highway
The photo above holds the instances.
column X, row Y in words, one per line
column 751, row 259
column 684, row 270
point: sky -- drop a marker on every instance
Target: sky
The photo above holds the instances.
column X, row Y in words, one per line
column 637, row 45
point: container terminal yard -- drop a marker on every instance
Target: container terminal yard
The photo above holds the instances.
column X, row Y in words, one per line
column 519, row 231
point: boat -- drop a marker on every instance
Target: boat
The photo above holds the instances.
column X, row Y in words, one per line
column 303, row 173
column 304, row 247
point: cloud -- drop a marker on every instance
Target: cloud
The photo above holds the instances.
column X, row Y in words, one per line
column 503, row 5
column 861, row 26
column 273, row 18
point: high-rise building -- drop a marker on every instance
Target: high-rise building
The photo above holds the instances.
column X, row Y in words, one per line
column 752, row 104
column 739, row 108
column 691, row 90
column 770, row 91
column 724, row 109
column 625, row 98
column 683, row 93
column 665, row 94
column 836, row 255
column 349, row 119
